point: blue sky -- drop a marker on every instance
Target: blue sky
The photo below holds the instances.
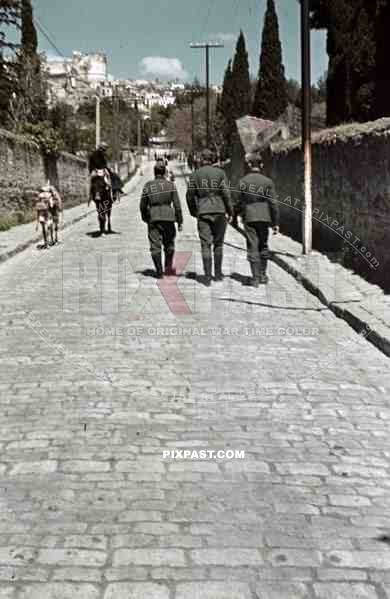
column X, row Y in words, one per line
column 149, row 38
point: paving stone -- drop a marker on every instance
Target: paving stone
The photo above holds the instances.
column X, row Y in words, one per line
column 72, row 557
column 136, row 591
column 58, row 590
column 282, row 590
column 294, row 557
column 213, row 590
column 84, row 466
column 148, row 557
column 344, row 591
column 227, row 557
column 77, row 575
column 373, row 560
column 140, row 516
column 43, row 467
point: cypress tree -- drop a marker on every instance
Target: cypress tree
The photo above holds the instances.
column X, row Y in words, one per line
column 241, row 89
column 241, row 99
column 29, row 35
column 271, row 94
column 225, row 108
column 32, row 85
column 351, row 46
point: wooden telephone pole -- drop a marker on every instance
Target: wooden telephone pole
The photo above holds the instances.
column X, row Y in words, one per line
column 306, row 128
column 207, row 47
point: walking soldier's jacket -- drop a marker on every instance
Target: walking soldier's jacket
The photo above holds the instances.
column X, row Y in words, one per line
column 208, row 192
column 255, row 200
column 160, row 202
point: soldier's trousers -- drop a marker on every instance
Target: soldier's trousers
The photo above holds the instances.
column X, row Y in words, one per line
column 257, row 234
column 162, row 233
column 212, row 228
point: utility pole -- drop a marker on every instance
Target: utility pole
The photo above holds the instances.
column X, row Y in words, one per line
column 139, row 134
column 306, row 128
column 115, row 111
column 192, row 120
column 97, row 97
column 207, row 46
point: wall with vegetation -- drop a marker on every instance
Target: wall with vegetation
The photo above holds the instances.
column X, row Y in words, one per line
column 351, row 194
column 24, row 169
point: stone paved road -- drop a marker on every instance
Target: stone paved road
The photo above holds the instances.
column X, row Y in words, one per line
column 94, row 389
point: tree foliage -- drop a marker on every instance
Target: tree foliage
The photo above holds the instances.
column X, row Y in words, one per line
column 179, row 124
column 29, row 39
column 241, row 90
column 357, row 44
column 9, row 17
column 84, row 120
column 225, row 108
column 28, row 102
column 271, row 94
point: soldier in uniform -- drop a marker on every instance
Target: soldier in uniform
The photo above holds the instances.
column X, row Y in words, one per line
column 256, row 204
column 160, row 209
column 209, row 201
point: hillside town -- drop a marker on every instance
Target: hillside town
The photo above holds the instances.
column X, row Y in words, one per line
column 77, row 79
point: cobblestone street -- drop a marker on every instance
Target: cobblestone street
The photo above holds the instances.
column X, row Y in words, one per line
column 102, row 371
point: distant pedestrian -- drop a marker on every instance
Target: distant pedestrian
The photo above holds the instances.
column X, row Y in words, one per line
column 161, row 209
column 255, row 203
column 208, row 199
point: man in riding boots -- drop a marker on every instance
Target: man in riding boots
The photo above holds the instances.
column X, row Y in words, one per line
column 161, row 209
column 255, row 203
column 208, row 199
column 98, row 162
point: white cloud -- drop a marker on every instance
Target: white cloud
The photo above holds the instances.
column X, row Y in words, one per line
column 227, row 38
column 161, row 66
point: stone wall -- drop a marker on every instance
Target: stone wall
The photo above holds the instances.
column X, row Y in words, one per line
column 24, row 170
column 351, row 194
column 126, row 168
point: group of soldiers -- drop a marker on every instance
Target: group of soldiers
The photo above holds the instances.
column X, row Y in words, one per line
column 214, row 205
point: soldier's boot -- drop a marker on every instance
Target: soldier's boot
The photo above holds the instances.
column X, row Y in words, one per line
column 218, row 258
column 207, row 266
column 254, row 282
column 263, row 278
column 170, row 271
column 158, row 265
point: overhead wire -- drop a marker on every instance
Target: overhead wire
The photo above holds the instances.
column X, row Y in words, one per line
column 47, row 36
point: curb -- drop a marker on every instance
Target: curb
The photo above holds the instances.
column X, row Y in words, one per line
column 26, row 244
column 359, row 319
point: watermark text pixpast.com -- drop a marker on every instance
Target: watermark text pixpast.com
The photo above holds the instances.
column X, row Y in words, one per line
column 204, row 454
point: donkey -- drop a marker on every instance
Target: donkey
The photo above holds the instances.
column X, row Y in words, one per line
column 101, row 193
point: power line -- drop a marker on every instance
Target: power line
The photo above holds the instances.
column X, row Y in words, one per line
column 48, row 37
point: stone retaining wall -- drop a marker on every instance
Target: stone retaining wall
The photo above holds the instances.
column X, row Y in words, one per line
column 23, row 170
column 351, row 194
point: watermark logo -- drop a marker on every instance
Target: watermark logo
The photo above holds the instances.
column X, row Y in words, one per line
column 169, row 289
column 204, row 454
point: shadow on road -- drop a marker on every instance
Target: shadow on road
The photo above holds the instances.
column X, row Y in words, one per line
column 147, row 272
column 236, row 276
column 194, row 276
column 95, row 234
column 261, row 304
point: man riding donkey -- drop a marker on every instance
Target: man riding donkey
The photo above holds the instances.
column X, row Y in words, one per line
column 106, row 186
